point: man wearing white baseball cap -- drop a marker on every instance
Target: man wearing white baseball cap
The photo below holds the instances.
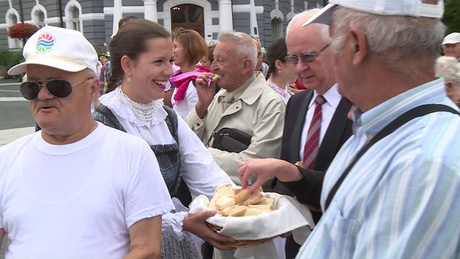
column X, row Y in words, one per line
column 451, row 45
column 76, row 188
column 392, row 190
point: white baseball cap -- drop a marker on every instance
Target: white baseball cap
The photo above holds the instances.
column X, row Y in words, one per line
column 60, row 48
column 413, row 8
column 452, row 38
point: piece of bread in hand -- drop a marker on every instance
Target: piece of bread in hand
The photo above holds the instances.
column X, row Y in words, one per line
column 241, row 195
column 216, row 77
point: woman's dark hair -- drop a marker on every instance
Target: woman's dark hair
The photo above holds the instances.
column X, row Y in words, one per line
column 193, row 43
column 276, row 51
column 131, row 40
column 126, row 19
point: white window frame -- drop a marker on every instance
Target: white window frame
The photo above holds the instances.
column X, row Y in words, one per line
column 12, row 17
column 35, row 14
column 73, row 22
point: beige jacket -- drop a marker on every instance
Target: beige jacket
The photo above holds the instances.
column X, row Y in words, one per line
column 258, row 111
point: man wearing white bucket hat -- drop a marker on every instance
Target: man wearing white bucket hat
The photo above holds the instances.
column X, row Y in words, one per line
column 77, row 188
column 451, row 45
column 392, row 190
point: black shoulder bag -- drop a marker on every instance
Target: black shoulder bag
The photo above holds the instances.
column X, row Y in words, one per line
column 231, row 140
column 390, row 128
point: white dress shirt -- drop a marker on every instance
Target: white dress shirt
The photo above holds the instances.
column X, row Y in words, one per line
column 333, row 99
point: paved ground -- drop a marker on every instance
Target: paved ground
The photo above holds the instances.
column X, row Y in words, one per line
column 8, row 135
column 15, row 117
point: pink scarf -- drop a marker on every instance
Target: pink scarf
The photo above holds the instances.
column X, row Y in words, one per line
column 181, row 81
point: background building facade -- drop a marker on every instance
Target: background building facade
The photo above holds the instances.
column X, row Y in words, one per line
column 98, row 19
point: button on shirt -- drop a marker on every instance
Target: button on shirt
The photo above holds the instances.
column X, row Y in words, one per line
column 400, row 200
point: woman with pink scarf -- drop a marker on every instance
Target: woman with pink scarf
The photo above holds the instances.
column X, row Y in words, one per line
column 188, row 49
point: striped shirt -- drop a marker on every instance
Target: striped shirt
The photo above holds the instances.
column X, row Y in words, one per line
column 400, row 198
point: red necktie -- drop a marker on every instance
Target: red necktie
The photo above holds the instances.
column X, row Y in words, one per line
column 312, row 144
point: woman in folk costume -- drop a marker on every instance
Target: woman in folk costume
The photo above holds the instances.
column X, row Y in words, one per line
column 141, row 57
column 188, row 49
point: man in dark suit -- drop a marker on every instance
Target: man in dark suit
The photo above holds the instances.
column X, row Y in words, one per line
column 308, row 50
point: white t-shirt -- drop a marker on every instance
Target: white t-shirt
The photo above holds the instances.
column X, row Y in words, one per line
column 77, row 200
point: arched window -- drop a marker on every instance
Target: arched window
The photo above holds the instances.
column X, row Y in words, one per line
column 72, row 16
column 75, row 18
column 277, row 29
column 39, row 15
column 12, row 17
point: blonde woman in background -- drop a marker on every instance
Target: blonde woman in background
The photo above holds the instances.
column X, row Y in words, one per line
column 188, row 49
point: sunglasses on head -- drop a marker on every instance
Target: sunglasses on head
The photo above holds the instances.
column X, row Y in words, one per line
column 306, row 57
column 59, row 88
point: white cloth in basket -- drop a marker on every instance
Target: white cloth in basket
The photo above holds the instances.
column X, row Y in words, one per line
column 289, row 215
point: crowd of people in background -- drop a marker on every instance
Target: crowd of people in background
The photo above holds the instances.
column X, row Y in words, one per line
column 354, row 112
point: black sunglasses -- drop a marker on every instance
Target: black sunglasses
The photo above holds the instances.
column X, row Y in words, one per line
column 59, row 88
column 306, row 57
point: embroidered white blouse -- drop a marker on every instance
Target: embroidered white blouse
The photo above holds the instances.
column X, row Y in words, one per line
column 284, row 94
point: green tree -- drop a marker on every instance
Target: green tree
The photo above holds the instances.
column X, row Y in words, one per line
column 452, row 16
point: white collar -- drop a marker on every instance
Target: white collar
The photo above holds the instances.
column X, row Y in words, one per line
column 118, row 107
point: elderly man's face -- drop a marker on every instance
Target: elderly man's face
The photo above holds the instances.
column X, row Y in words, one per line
column 227, row 64
column 452, row 50
column 318, row 74
column 60, row 116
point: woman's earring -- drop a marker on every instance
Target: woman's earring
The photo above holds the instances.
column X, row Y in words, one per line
column 279, row 71
column 129, row 78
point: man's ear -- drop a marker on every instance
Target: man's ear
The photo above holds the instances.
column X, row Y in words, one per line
column 247, row 66
column 94, row 89
column 358, row 44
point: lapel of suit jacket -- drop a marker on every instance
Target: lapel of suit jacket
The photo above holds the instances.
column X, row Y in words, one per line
column 331, row 141
column 298, row 127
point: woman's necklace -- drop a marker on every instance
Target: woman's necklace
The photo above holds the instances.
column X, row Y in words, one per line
column 144, row 112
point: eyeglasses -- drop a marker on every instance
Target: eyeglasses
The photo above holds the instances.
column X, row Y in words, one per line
column 59, row 88
column 306, row 57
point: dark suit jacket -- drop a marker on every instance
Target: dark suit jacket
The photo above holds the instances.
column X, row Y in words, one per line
column 308, row 190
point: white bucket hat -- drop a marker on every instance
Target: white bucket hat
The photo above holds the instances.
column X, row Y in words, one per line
column 413, row 8
column 64, row 49
column 452, row 38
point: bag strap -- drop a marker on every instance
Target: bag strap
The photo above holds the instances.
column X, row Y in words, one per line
column 390, row 128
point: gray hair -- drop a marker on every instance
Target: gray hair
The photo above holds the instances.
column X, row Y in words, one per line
column 449, row 69
column 246, row 46
column 302, row 17
column 400, row 42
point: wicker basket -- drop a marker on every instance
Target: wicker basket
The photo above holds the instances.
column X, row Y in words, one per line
column 241, row 243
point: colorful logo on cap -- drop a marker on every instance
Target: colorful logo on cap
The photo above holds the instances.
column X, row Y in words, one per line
column 45, row 42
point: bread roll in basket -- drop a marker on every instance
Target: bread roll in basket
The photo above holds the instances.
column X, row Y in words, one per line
column 252, row 219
